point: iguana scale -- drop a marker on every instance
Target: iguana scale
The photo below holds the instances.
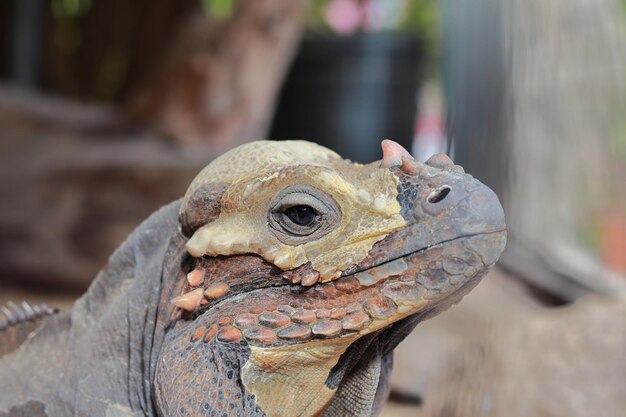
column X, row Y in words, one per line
column 278, row 286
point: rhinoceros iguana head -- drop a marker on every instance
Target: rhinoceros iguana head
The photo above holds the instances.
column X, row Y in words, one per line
column 302, row 271
column 279, row 286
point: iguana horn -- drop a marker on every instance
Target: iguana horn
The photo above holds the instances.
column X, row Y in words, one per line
column 393, row 153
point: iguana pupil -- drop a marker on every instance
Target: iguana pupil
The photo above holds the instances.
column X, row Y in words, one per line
column 301, row 215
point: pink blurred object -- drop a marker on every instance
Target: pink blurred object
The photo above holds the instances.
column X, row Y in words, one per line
column 430, row 136
column 613, row 240
column 344, row 16
column 348, row 16
column 372, row 16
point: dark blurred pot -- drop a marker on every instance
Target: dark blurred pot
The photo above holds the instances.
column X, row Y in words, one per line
column 349, row 92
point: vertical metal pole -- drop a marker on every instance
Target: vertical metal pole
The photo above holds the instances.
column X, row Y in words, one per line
column 24, row 49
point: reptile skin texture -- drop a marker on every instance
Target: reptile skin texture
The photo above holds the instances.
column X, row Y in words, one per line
column 278, row 286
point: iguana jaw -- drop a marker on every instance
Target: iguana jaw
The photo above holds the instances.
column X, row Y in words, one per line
column 358, row 303
column 296, row 335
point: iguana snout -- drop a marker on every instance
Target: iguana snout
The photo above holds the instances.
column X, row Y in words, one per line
column 296, row 253
column 455, row 231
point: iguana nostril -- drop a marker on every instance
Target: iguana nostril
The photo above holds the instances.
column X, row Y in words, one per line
column 439, row 194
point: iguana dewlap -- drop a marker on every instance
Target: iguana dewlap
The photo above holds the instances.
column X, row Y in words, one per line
column 279, row 286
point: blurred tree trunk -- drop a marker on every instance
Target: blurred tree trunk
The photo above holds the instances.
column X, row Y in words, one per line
column 75, row 178
column 219, row 84
column 568, row 81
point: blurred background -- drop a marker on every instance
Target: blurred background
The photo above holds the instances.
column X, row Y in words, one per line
column 108, row 109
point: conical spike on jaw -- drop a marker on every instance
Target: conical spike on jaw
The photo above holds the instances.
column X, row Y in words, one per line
column 310, row 278
column 196, row 277
column 189, row 301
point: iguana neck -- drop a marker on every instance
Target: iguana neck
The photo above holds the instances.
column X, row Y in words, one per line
column 95, row 359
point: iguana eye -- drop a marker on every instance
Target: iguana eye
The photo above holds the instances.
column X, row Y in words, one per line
column 301, row 213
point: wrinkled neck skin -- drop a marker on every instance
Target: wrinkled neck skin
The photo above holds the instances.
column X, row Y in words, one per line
column 98, row 358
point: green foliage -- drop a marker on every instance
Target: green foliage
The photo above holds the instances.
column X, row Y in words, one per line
column 112, row 74
column 316, row 19
column 69, row 9
column 422, row 17
column 218, row 9
column 67, row 35
column 588, row 234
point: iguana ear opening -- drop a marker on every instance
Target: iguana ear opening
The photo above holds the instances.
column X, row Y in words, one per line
column 300, row 213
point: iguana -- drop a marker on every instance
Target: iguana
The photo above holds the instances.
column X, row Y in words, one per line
column 278, row 286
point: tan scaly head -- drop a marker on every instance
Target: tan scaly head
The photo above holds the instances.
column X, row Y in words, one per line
column 266, row 186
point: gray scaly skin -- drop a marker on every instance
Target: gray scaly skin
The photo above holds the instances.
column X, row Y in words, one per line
column 279, row 286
